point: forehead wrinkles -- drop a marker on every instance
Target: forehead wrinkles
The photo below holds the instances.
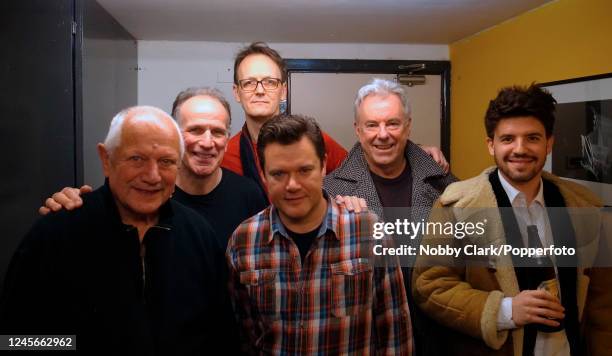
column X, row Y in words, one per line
column 144, row 131
column 199, row 108
column 377, row 106
column 203, row 104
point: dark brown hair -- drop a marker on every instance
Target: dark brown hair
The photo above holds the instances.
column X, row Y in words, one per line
column 288, row 129
column 518, row 101
column 260, row 48
column 199, row 91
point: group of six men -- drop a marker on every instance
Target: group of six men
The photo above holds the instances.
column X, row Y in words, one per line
column 301, row 276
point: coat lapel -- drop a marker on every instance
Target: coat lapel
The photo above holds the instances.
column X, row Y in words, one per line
column 356, row 172
column 423, row 169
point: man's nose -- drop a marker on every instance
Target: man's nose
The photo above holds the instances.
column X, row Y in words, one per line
column 207, row 139
column 382, row 131
column 151, row 174
column 293, row 184
column 259, row 89
column 519, row 146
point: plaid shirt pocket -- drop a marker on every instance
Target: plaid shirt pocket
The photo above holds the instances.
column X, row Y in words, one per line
column 352, row 286
column 261, row 286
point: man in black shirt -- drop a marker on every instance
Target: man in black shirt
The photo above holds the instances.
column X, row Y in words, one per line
column 223, row 197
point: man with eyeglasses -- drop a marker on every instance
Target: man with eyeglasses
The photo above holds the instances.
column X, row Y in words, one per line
column 260, row 84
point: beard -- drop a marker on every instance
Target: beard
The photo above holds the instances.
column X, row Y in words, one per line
column 524, row 175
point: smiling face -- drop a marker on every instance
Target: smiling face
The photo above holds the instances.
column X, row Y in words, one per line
column 259, row 104
column 204, row 123
column 143, row 168
column 294, row 178
column 519, row 147
column 383, row 130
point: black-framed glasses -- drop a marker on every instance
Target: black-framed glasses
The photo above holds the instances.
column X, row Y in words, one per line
column 266, row 83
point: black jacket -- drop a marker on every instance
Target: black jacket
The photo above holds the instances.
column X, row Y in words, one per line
column 80, row 272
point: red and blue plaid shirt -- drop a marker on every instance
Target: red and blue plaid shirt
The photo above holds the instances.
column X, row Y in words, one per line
column 334, row 303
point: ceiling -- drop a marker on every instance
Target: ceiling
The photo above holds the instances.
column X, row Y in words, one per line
column 365, row 21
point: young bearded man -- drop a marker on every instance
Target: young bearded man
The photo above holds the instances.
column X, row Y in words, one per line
column 302, row 279
column 500, row 308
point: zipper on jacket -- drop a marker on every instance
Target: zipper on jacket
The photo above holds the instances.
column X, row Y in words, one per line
column 144, row 271
column 144, row 264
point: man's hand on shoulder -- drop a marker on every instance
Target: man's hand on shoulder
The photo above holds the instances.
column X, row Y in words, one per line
column 437, row 156
column 68, row 198
column 536, row 306
column 352, row 203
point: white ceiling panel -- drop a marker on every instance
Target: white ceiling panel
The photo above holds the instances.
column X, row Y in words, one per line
column 348, row 21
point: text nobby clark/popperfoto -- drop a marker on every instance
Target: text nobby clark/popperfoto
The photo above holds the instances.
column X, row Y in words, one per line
column 473, row 250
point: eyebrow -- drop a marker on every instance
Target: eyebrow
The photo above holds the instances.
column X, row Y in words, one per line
column 527, row 134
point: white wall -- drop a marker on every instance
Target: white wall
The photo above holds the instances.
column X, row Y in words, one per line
column 167, row 67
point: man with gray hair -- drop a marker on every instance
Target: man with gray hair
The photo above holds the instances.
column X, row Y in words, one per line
column 389, row 171
column 132, row 271
column 385, row 168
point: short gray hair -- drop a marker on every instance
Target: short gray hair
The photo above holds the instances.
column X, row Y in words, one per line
column 189, row 93
column 113, row 137
column 383, row 87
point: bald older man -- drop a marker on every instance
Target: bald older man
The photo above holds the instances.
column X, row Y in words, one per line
column 132, row 272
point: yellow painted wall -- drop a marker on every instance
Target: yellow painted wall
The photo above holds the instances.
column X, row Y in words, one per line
column 561, row 40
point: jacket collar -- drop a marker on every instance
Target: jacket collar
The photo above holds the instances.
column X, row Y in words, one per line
column 166, row 211
column 330, row 221
column 476, row 191
column 355, row 169
column 415, row 156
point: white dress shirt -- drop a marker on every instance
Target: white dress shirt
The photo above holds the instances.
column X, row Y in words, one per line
column 547, row 344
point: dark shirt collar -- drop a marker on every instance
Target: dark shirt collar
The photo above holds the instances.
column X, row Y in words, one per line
column 165, row 211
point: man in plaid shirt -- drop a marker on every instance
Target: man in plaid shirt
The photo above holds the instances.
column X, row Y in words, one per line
column 302, row 278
